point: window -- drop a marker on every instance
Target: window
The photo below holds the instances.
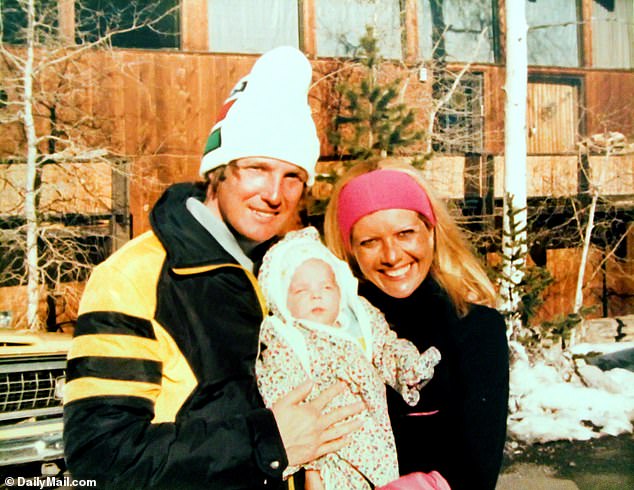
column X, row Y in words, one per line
column 80, row 221
column 340, row 25
column 252, row 26
column 14, row 20
column 459, row 124
column 461, row 30
column 553, row 34
column 613, row 34
column 132, row 23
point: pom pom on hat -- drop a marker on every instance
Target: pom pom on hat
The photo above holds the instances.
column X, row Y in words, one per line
column 267, row 115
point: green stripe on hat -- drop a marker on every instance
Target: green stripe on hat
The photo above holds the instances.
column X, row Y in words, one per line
column 213, row 141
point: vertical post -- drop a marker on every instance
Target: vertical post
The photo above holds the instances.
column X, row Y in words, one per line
column 194, row 25
column 499, row 30
column 410, row 31
column 307, row 34
column 66, row 15
column 516, row 86
column 120, row 204
column 586, row 33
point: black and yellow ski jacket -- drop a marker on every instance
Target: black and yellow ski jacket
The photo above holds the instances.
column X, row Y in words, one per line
column 161, row 390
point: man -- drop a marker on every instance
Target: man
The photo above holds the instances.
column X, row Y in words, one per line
column 161, row 390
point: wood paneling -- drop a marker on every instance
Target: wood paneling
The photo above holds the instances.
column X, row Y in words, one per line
column 494, row 100
column 446, row 175
column 545, row 175
column 66, row 297
column 610, row 102
column 620, row 279
column 12, row 184
column 563, row 264
column 559, row 297
column 84, row 188
column 14, row 299
column 613, row 175
column 552, row 117
column 156, row 108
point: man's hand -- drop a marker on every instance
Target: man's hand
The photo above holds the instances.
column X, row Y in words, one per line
column 313, row 481
column 308, row 433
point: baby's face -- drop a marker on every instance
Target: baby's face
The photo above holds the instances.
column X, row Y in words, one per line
column 313, row 293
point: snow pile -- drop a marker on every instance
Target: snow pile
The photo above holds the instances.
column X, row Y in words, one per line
column 560, row 399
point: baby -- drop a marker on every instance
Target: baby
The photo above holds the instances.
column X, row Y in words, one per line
column 319, row 328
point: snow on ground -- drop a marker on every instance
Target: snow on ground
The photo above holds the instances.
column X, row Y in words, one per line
column 559, row 398
column 608, row 348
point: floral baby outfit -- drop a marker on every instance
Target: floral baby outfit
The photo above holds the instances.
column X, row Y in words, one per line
column 360, row 349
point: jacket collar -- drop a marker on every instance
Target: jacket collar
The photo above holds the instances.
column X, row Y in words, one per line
column 219, row 230
column 187, row 243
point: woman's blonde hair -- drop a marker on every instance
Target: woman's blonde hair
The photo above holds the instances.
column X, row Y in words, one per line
column 454, row 266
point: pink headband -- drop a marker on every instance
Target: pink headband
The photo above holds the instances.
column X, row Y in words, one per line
column 378, row 190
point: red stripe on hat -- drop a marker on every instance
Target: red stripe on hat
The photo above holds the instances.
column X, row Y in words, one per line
column 225, row 109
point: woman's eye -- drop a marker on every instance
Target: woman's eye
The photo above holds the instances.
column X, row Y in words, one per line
column 406, row 233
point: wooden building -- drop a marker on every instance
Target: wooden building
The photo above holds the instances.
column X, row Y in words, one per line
column 157, row 91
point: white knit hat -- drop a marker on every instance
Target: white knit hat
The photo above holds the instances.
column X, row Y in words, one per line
column 267, row 115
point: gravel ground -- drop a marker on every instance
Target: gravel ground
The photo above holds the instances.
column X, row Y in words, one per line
column 599, row 464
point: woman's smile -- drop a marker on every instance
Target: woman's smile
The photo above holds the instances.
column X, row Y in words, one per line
column 397, row 272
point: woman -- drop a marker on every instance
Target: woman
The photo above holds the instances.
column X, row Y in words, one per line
column 417, row 268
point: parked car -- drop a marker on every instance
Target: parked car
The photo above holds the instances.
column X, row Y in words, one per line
column 32, row 378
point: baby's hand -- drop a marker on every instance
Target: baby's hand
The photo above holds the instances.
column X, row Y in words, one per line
column 420, row 374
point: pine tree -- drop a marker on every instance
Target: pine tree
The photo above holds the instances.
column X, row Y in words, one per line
column 372, row 123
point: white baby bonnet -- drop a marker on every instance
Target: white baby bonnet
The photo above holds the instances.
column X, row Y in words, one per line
column 279, row 265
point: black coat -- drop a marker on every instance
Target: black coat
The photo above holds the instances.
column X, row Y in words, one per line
column 161, row 389
column 464, row 440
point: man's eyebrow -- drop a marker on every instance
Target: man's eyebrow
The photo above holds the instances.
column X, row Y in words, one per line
column 300, row 172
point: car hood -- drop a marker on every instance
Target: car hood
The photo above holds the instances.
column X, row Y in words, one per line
column 14, row 343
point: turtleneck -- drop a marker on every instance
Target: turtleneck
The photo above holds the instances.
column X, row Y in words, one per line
column 417, row 316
